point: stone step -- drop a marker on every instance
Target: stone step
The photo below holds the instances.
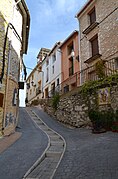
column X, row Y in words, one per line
column 57, row 143
column 55, row 148
column 55, row 138
column 53, row 154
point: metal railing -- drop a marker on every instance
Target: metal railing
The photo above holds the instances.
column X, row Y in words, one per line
column 88, row 74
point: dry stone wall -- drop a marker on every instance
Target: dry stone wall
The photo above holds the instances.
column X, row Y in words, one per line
column 73, row 109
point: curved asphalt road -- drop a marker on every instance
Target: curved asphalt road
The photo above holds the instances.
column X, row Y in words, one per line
column 18, row 158
column 87, row 156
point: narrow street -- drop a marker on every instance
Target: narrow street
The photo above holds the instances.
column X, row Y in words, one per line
column 19, row 157
column 87, row 155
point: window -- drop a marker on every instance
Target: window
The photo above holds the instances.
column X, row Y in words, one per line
column 70, row 48
column 94, row 45
column 53, row 58
column 1, row 99
column 53, row 88
column 39, row 69
column 116, row 63
column 32, row 76
column 53, row 69
column 47, row 62
column 58, row 82
column 47, row 75
column 66, row 88
column 92, row 16
column 71, row 67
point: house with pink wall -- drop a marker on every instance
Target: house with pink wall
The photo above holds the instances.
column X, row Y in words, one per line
column 70, row 62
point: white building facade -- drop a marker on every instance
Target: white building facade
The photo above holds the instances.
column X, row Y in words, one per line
column 51, row 66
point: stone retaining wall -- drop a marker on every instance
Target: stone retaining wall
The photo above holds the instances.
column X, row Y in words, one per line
column 73, row 109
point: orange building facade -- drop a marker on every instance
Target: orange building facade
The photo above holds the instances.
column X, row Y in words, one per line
column 70, row 63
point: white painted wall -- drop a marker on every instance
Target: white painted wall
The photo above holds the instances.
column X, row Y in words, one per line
column 57, row 69
column 44, row 69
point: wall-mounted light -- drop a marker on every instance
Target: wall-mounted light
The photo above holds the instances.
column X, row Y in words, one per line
column 73, row 53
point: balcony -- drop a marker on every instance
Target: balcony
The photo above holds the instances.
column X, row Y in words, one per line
column 87, row 74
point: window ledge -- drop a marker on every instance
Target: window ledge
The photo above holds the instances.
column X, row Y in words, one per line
column 89, row 60
column 89, row 28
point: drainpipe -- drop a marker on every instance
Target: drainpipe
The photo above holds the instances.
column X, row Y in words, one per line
column 10, row 25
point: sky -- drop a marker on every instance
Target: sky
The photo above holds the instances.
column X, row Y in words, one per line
column 51, row 21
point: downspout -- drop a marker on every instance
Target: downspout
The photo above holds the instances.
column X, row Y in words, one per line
column 3, row 66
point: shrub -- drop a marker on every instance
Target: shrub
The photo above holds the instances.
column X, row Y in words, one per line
column 35, row 102
column 102, row 119
column 108, row 118
column 55, row 101
column 116, row 115
column 96, row 119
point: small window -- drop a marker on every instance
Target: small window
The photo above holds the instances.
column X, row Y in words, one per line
column 39, row 69
column 92, row 16
column 53, row 69
column 116, row 63
column 53, row 58
column 1, row 99
column 47, row 75
column 66, row 88
column 58, row 82
column 32, row 76
column 94, row 45
column 47, row 62
column 70, row 48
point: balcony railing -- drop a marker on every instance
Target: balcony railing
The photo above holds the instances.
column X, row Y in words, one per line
column 88, row 74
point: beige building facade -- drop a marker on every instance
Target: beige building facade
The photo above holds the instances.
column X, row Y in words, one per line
column 14, row 32
column 98, row 23
column 35, row 80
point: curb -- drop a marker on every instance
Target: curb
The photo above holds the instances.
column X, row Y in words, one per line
column 41, row 158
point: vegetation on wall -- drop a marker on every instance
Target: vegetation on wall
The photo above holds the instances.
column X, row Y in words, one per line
column 55, row 100
column 90, row 86
column 100, row 69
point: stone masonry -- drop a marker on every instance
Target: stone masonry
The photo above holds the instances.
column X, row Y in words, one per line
column 9, row 92
column 73, row 108
column 107, row 30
